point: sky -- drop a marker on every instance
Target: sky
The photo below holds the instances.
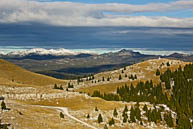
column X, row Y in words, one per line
column 80, row 24
column 149, row 13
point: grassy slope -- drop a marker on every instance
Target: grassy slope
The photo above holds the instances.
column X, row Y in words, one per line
column 145, row 71
column 77, row 104
column 11, row 74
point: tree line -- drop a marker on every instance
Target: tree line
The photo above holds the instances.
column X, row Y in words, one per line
column 178, row 97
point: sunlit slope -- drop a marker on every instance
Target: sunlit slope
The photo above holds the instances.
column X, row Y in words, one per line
column 144, row 71
column 11, row 74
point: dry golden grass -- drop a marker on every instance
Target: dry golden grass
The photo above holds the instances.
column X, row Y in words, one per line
column 34, row 117
column 49, row 118
column 147, row 69
column 11, row 74
column 78, row 103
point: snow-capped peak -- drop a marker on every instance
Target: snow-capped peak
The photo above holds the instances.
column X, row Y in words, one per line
column 41, row 51
column 2, row 53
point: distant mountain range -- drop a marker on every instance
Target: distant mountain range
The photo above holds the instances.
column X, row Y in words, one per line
column 43, row 54
column 63, row 63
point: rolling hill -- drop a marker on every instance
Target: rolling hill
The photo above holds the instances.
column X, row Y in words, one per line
column 11, row 74
column 109, row 81
column 44, row 108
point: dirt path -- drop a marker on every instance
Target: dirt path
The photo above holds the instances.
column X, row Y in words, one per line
column 65, row 112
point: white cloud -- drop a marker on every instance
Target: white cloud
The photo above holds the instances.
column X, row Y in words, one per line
column 80, row 14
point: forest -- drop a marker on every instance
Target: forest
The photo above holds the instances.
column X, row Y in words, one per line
column 175, row 90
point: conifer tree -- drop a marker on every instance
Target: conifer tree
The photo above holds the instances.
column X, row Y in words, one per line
column 135, row 76
column 115, row 113
column 55, row 86
column 125, row 109
column 168, row 64
column 120, row 77
column 88, row 116
column 96, row 109
column 3, row 106
column 70, row 85
column 61, row 88
column 105, row 126
column 138, row 113
column 125, row 117
column 157, row 72
column 100, row 119
column 132, row 115
column 111, row 122
column 168, row 119
column 145, row 108
column 61, row 115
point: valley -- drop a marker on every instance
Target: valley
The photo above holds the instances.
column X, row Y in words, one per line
column 65, row 64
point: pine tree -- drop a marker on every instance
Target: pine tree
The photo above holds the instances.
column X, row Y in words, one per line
column 132, row 115
column 138, row 113
column 3, row 106
column 61, row 115
column 70, row 85
column 100, row 119
column 88, row 116
column 120, row 77
column 168, row 64
column 145, row 108
column 55, row 86
column 124, row 119
column 169, row 120
column 115, row 113
column 157, row 72
column 111, row 122
column 132, row 77
column 61, row 88
column 135, row 76
column 125, row 109
column 105, row 126
column 124, row 115
column 96, row 109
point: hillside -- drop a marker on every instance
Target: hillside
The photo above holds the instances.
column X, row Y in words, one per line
column 109, row 81
column 143, row 105
column 68, row 65
column 11, row 74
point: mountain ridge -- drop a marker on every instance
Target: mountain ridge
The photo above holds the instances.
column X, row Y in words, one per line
column 81, row 64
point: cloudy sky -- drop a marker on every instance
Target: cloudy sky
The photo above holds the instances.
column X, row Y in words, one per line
column 154, row 13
